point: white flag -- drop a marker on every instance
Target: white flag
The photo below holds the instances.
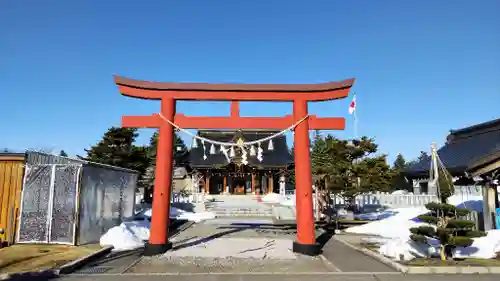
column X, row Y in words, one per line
column 352, row 106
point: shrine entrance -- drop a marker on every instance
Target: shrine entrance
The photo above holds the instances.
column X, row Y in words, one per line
column 300, row 122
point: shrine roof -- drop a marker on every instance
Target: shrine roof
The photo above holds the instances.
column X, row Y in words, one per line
column 278, row 157
column 464, row 149
column 230, row 87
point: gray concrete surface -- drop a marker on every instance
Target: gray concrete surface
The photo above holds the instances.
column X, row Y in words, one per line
column 284, row 277
column 347, row 259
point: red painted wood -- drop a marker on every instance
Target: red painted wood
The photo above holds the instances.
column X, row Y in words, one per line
column 163, row 177
column 153, row 121
column 170, row 92
column 235, row 109
column 303, row 177
column 233, row 96
column 194, row 122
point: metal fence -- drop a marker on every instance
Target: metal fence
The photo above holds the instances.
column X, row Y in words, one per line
column 68, row 201
column 392, row 200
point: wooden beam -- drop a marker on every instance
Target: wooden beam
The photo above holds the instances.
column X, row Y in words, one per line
column 278, row 123
column 235, row 109
column 253, row 183
column 207, row 183
column 233, row 95
column 198, row 122
column 270, row 185
column 153, row 121
column 487, row 169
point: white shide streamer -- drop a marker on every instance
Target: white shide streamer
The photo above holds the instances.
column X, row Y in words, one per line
column 231, row 144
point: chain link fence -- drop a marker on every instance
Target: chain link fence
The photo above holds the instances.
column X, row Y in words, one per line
column 68, row 201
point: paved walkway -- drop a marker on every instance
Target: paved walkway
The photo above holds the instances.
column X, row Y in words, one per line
column 285, row 277
column 347, row 259
column 226, row 250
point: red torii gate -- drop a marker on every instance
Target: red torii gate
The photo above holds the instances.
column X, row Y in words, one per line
column 169, row 93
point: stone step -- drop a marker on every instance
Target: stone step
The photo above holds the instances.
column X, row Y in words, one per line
column 240, row 213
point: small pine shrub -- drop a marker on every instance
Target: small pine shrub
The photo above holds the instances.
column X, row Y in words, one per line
column 446, row 226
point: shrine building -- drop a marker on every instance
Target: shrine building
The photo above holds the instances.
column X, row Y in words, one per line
column 222, row 171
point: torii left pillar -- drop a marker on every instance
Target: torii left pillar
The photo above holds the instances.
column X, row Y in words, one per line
column 168, row 93
column 160, row 219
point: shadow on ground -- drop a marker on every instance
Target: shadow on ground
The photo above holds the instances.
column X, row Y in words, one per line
column 239, row 227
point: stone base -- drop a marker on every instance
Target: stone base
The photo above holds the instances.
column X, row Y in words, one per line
column 306, row 249
column 157, row 249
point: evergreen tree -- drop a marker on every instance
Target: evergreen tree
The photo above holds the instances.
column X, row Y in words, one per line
column 180, row 156
column 349, row 168
column 117, row 149
column 180, row 152
column 423, row 156
column 445, row 221
column 446, row 225
column 63, row 153
column 399, row 167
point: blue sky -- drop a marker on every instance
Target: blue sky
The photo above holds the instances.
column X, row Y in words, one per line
column 422, row 67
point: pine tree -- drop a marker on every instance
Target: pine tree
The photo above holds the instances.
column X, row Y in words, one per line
column 117, row 149
column 180, row 156
column 445, row 221
column 63, row 153
column 399, row 166
column 349, row 168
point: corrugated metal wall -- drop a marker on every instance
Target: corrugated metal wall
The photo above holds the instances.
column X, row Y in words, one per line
column 37, row 158
column 11, row 179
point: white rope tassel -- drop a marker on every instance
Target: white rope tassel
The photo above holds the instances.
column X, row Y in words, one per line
column 223, row 149
column 194, row 143
column 204, row 150
column 244, row 160
column 252, row 150
column 230, row 143
column 270, row 146
column 260, row 157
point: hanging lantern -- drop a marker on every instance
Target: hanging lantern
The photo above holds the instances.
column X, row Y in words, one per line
column 231, row 152
column 270, row 146
column 252, row 150
column 212, row 149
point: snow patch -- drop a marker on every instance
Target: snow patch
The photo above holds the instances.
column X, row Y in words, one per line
column 395, row 239
column 131, row 235
column 272, row 198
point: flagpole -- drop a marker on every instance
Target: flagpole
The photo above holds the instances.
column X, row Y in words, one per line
column 355, row 118
column 355, row 125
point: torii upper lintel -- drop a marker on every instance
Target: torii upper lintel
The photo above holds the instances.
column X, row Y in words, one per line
column 235, row 92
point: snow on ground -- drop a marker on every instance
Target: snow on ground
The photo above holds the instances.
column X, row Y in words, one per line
column 131, row 234
column 394, row 232
column 272, row 198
